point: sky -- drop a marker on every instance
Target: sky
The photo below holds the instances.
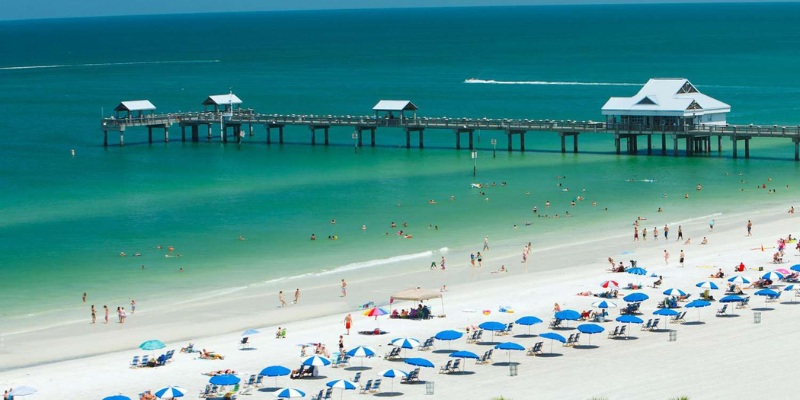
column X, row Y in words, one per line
column 42, row 9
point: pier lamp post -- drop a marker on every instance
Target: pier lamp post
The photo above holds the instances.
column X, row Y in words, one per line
column 474, row 163
column 355, row 141
column 494, row 148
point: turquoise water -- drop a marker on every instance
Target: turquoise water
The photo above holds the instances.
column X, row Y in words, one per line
column 64, row 220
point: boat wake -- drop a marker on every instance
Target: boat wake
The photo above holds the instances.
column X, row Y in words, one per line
column 106, row 64
column 495, row 82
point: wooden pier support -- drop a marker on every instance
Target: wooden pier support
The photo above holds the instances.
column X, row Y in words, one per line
column 105, row 138
column 458, row 133
column 325, row 130
column 280, row 132
column 663, row 144
column 796, row 141
column 563, row 136
column 360, row 131
column 408, row 136
column 210, row 134
column 649, row 145
column 166, row 134
column 150, row 134
column 735, row 140
column 510, row 135
column 183, row 133
column 195, row 133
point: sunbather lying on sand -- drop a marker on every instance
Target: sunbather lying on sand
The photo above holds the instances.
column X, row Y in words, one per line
column 211, row 355
column 147, row 396
column 220, row 372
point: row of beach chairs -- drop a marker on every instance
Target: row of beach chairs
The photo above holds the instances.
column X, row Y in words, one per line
column 412, row 377
column 486, row 358
column 145, row 360
column 475, row 336
column 451, row 366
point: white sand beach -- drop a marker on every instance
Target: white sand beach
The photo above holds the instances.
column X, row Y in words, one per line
column 708, row 360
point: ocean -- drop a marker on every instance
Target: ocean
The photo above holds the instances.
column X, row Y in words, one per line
column 64, row 220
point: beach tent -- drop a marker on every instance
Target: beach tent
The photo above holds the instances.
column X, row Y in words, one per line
column 417, row 294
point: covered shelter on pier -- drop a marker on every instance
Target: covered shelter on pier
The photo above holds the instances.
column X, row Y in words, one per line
column 665, row 104
column 134, row 109
column 223, row 102
column 394, row 109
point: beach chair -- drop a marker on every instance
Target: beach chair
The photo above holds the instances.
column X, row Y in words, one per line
column 508, row 329
column 413, row 376
column 577, row 338
column 135, row 362
column 456, row 365
column 170, row 354
column 536, row 349
column 259, row 381
column 445, row 369
column 771, row 299
column 745, row 303
column 245, row 390
column 614, row 333
column 622, row 331
column 685, row 298
column 357, row 377
column 244, row 343
column 251, row 381
column 328, row 393
column 203, row 393
column 392, row 354
column 569, row 340
column 427, row 344
column 648, row 325
column 145, row 360
column 555, row 323
column 366, row 388
column 376, row 386
column 655, row 324
column 722, row 310
column 319, row 395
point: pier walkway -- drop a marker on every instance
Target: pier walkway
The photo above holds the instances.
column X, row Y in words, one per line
column 696, row 139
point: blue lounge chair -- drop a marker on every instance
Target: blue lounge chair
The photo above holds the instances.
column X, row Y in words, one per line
column 426, row 345
column 536, row 349
column 445, row 369
column 357, row 377
column 367, row 387
column 376, row 386
column 456, row 365
column 135, row 362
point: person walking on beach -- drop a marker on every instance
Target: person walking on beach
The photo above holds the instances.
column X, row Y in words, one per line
column 296, row 296
column 94, row 314
column 341, row 344
column 472, row 259
column 348, row 321
column 644, row 234
column 485, row 243
column 680, row 233
column 280, row 297
column 133, row 306
column 105, row 308
column 480, row 259
column 681, row 257
column 524, row 255
column 441, row 263
column 635, row 233
column 84, row 297
column 749, row 228
column 666, row 257
column 655, row 233
column 344, row 288
column 711, row 225
column 666, row 232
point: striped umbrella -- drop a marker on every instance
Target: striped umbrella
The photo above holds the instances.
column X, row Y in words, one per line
column 674, row 292
column 604, row 304
column 698, row 304
column 772, row 276
column 707, row 285
column 287, row 393
column 361, row 352
column 610, row 285
column 739, row 279
column 405, row 342
column 343, row 384
column 318, row 361
column 392, row 373
column 170, row 392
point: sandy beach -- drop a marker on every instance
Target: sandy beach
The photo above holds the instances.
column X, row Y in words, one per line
column 92, row 361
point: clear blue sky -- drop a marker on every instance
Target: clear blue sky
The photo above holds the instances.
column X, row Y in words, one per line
column 36, row 9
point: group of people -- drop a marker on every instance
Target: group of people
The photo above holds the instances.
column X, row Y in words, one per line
column 421, row 312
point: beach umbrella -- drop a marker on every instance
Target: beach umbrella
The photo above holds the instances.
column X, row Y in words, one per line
column 361, row 352
column 739, row 279
column 568, row 315
column 275, row 371
column 375, row 312
column 731, row 299
column 554, row 337
column 465, row 354
column 448, row 336
column 629, row 319
column 666, row 312
column 635, row 297
column 170, row 392
column 343, row 384
column 698, row 304
column 405, row 342
column 707, row 285
column 590, row 329
column 317, row 361
column 783, row 271
column 604, row 304
column 509, row 346
column 795, row 267
column 674, row 292
column 250, row 332
column 152, row 345
column 637, row 271
column 772, row 276
column 492, row 326
column 419, row 362
column 22, row 391
column 287, row 393
column 392, row 373
column 117, row 397
column 224, row 379
column 610, row 284
column 528, row 320
column 767, row 293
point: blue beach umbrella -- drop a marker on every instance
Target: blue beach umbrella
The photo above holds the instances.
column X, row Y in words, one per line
column 528, row 320
column 250, row 332
column 287, row 393
column 767, row 293
column 275, row 371
column 790, row 288
column 666, row 312
column 448, row 336
column 795, row 267
column 492, row 326
column 152, row 345
column 590, row 329
column 392, row 373
column 554, row 337
column 698, row 304
column 405, row 343
column 419, row 362
column 509, row 347
column 707, row 285
column 341, row 384
column 604, row 304
column 635, row 297
column 772, row 276
column 362, row 352
column 731, row 299
column 637, row 271
column 117, row 397
column 674, row 292
column 170, row 392
column 568, row 315
column 224, row 379
column 739, row 279
column 318, row 361
column 465, row 354
column 629, row 319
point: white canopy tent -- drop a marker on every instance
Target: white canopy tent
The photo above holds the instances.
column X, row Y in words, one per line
column 418, row 294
